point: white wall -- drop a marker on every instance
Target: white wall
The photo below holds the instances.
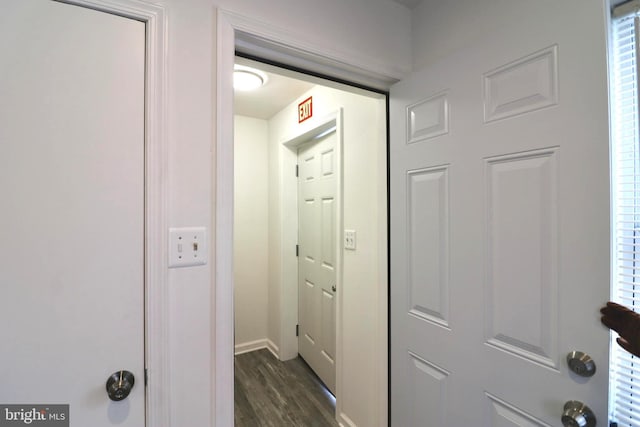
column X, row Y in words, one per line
column 370, row 33
column 376, row 32
column 250, row 240
column 275, row 244
column 190, row 129
column 363, row 290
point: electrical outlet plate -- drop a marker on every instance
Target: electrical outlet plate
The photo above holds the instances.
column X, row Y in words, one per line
column 350, row 239
column 187, row 246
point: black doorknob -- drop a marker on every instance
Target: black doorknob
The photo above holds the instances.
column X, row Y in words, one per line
column 119, row 385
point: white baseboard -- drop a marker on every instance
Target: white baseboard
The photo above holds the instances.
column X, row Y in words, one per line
column 345, row 421
column 257, row 345
column 250, row 346
column 273, row 349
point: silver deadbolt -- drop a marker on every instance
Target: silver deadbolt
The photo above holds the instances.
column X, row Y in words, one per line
column 577, row 414
column 333, row 288
column 581, row 363
column 119, row 385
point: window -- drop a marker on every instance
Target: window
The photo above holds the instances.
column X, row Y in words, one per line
column 625, row 157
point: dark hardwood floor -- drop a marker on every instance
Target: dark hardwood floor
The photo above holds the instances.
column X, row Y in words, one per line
column 269, row 392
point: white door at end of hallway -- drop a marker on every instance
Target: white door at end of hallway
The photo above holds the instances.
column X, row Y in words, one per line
column 499, row 216
column 317, row 163
column 72, row 184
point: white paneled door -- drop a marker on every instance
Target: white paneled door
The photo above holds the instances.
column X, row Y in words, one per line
column 500, row 220
column 72, row 186
column 317, row 163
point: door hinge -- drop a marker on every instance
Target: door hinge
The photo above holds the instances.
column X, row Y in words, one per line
column 297, row 329
column 146, row 376
column 297, row 250
column 296, row 171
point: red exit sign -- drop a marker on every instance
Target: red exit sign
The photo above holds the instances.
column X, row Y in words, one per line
column 305, row 109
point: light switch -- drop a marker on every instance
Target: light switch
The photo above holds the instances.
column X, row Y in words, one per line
column 187, row 246
column 350, row 239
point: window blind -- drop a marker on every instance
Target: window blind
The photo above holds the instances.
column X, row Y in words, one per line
column 624, row 391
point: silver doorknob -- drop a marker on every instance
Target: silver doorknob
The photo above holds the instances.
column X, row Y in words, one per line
column 119, row 385
column 581, row 363
column 577, row 414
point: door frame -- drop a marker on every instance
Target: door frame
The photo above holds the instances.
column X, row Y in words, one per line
column 257, row 38
column 156, row 345
column 288, row 345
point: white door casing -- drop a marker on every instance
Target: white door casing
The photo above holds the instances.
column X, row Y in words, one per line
column 232, row 31
column 317, row 258
column 62, row 91
column 500, row 225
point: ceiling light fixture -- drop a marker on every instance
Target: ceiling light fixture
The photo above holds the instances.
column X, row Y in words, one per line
column 246, row 79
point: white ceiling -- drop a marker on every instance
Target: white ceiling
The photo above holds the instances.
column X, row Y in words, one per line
column 277, row 93
column 284, row 86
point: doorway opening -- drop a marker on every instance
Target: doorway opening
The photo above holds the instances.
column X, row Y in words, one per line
column 268, row 129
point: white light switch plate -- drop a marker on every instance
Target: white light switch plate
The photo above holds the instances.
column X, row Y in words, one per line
column 187, row 246
column 350, row 239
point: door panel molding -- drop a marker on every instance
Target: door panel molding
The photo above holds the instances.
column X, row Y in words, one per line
column 428, row 274
column 157, row 346
column 531, row 332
